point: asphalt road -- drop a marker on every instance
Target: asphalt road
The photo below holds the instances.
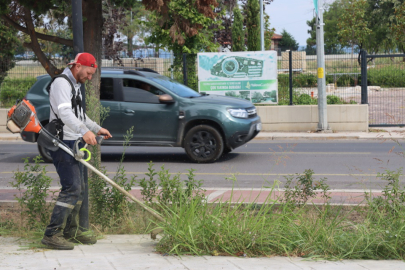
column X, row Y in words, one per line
column 346, row 164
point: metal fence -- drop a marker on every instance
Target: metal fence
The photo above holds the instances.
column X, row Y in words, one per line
column 297, row 79
column 383, row 88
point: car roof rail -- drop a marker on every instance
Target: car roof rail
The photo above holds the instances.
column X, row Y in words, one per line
column 146, row 69
column 133, row 72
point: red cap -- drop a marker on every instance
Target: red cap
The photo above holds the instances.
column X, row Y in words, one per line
column 85, row 59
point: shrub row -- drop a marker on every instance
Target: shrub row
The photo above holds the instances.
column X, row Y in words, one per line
column 388, row 76
column 13, row 89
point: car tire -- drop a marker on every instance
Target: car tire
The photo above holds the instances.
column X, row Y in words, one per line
column 203, row 144
column 46, row 156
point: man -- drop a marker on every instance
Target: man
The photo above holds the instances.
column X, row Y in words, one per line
column 65, row 102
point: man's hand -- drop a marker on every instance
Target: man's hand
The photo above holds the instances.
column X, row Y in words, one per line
column 90, row 138
column 104, row 132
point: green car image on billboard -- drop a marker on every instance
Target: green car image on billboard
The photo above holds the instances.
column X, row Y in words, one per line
column 238, row 67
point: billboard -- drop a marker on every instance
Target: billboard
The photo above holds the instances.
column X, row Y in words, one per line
column 247, row 75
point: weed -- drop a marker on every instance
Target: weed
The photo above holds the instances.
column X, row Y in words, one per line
column 298, row 192
column 393, row 196
column 109, row 206
column 150, row 186
column 33, row 200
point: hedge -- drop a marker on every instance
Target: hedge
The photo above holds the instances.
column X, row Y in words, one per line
column 13, row 89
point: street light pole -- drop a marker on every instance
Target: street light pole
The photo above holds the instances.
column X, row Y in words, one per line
column 78, row 47
column 261, row 26
column 320, row 53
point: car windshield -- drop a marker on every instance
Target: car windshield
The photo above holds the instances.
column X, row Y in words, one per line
column 176, row 87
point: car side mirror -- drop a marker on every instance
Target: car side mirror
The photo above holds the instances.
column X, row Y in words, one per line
column 166, row 99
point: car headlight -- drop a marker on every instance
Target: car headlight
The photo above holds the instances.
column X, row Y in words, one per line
column 238, row 113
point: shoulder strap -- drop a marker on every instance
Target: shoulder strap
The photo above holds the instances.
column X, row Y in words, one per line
column 48, row 88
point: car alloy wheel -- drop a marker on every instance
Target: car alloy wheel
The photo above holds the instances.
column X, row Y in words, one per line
column 203, row 144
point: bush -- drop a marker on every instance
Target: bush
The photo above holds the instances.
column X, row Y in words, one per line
column 13, row 89
column 35, row 183
column 388, row 76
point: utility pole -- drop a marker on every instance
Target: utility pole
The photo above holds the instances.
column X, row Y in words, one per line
column 261, row 26
column 78, row 47
column 323, row 125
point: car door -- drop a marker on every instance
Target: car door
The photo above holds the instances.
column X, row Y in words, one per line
column 152, row 120
column 110, row 101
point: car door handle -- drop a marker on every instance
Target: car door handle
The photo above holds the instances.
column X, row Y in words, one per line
column 129, row 111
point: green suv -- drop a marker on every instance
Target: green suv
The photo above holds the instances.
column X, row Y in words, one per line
column 163, row 112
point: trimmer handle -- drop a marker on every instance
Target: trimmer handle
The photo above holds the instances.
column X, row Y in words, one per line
column 99, row 139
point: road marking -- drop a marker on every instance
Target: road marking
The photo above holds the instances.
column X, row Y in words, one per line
column 216, row 194
column 308, row 153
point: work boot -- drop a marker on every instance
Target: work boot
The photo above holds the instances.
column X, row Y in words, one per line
column 77, row 236
column 57, row 242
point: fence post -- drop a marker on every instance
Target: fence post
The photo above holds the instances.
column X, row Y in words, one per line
column 185, row 70
column 290, row 75
column 363, row 64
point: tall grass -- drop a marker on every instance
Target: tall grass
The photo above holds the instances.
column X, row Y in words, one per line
column 238, row 228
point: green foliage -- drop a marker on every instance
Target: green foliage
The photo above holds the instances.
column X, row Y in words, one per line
column 311, row 41
column 393, row 195
column 352, row 25
column 168, row 190
column 398, row 27
column 389, row 76
column 13, row 89
column 253, row 25
column 288, row 42
column 133, row 25
column 331, row 18
column 166, row 33
column 299, row 190
column 8, row 43
column 268, row 32
column 109, row 205
column 238, row 35
column 33, row 185
column 305, row 99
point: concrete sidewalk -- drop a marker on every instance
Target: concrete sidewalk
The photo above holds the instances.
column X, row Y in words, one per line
column 116, row 252
column 375, row 134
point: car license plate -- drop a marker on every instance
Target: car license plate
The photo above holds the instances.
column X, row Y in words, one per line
column 259, row 126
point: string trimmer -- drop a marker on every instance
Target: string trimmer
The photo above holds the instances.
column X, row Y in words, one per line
column 22, row 117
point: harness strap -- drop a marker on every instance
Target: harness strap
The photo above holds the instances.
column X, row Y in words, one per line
column 75, row 101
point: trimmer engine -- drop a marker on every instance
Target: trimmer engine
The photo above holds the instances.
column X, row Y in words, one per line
column 22, row 117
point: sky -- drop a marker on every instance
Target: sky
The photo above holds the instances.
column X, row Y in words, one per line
column 292, row 16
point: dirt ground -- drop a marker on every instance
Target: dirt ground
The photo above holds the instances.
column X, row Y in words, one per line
column 386, row 106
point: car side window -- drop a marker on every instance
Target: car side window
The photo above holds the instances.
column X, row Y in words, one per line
column 138, row 91
column 107, row 89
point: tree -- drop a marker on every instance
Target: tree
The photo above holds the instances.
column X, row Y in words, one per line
column 398, row 28
column 253, row 25
column 331, row 18
column 238, row 35
column 353, row 24
column 133, row 25
column 183, row 27
column 311, row 41
column 287, row 42
column 268, row 32
column 8, row 42
column 223, row 31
